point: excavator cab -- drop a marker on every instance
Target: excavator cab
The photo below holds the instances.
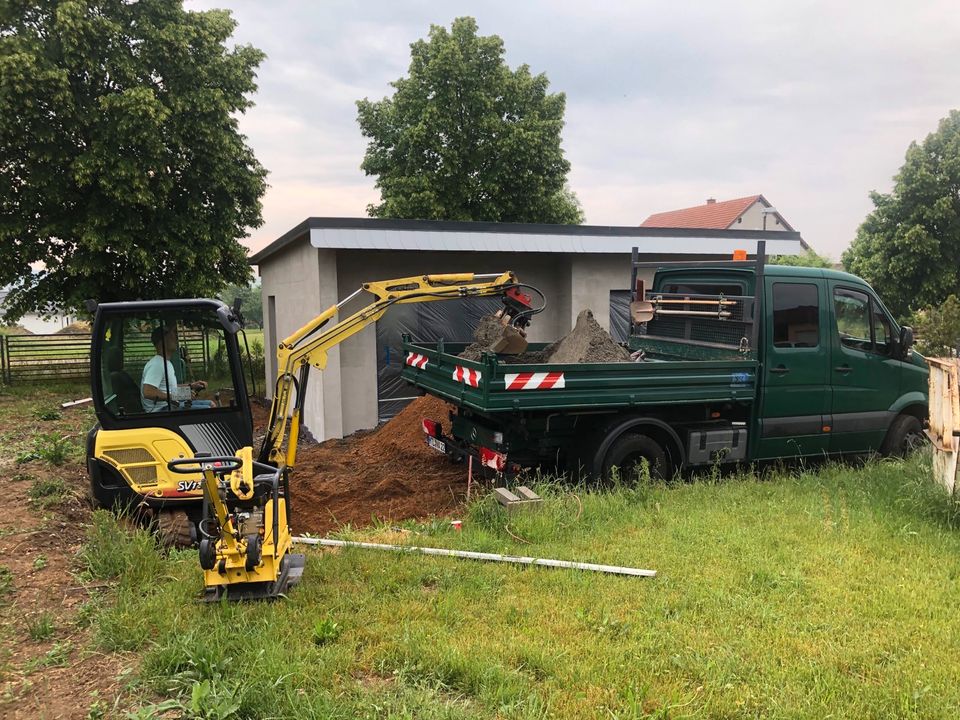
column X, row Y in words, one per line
column 167, row 382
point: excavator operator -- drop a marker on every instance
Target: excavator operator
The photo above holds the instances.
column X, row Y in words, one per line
column 159, row 389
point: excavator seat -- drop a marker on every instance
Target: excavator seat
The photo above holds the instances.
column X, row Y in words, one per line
column 126, row 390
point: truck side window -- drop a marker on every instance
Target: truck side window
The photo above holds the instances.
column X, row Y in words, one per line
column 852, row 309
column 881, row 331
column 796, row 315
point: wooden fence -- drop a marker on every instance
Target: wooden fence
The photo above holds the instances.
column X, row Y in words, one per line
column 28, row 358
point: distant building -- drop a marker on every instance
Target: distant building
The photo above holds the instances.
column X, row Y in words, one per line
column 36, row 324
column 746, row 213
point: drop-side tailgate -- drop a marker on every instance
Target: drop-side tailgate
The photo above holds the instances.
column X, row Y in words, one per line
column 492, row 386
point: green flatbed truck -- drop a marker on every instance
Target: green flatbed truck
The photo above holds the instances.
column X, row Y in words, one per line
column 825, row 371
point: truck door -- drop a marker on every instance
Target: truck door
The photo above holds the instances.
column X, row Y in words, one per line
column 795, row 396
column 865, row 377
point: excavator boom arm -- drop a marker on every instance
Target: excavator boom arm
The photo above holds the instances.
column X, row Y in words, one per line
column 308, row 346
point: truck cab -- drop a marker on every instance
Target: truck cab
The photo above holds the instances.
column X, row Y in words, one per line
column 835, row 369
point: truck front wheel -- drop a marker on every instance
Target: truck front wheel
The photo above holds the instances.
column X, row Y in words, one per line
column 904, row 436
column 634, row 458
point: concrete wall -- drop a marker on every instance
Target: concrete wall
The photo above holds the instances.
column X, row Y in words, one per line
column 302, row 280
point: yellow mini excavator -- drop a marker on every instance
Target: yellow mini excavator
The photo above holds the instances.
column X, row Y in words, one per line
column 173, row 444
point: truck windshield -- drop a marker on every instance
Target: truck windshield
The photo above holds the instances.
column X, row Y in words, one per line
column 164, row 362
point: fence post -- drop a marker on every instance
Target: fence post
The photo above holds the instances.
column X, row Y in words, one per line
column 3, row 358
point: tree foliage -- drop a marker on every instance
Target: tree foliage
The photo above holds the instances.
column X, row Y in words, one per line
column 908, row 247
column 464, row 137
column 122, row 171
column 809, row 259
column 938, row 328
column 250, row 296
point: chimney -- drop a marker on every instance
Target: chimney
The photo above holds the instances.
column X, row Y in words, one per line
column 711, row 201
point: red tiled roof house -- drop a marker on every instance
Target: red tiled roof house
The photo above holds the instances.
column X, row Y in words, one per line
column 746, row 213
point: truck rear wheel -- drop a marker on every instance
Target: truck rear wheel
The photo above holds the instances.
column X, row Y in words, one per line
column 635, row 458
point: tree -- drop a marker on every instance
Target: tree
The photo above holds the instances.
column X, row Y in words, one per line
column 122, row 172
column 250, row 301
column 464, row 137
column 809, row 259
column 908, row 247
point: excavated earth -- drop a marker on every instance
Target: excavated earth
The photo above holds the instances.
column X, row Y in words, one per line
column 586, row 343
column 382, row 474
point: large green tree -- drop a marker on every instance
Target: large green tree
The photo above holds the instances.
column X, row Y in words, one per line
column 464, row 137
column 909, row 246
column 122, row 172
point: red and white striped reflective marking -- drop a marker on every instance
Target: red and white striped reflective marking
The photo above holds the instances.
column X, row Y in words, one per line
column 467, row 376
column 534, row 381
column 493, row 459
column 416, row 360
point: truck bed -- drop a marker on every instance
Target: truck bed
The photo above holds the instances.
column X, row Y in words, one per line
column 493, row 386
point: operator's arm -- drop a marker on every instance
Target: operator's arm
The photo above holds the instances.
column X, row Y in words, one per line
column 151, row 392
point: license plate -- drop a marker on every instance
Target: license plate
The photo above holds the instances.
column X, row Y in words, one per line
column 438, row 445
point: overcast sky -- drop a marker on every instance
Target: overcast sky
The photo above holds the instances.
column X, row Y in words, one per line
column 812, row 104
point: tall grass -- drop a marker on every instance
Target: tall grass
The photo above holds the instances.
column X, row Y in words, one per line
column 802, row 594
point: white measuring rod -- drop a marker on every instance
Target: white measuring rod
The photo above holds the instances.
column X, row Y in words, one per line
column 490, row 557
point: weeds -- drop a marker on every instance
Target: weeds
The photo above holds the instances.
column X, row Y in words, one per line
column 88, row 611
column 51, row 447
column 40, row 562
column 325, row 631
column 48, row 414
column 57, row 656
column 41, row 627
column 112, row 552
column 48, row 491
column 6, row 581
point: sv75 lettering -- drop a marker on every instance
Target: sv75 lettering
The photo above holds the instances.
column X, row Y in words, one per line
column 188, row 485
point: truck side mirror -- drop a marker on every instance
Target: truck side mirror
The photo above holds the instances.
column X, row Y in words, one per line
column 906, row 340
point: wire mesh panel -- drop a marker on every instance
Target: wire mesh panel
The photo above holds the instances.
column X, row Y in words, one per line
column 709, row 319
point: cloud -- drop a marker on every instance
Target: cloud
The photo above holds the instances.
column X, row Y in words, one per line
column 812, row 103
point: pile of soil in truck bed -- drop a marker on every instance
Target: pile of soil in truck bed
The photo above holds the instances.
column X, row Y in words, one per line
column 586, row 343
column 387, row 473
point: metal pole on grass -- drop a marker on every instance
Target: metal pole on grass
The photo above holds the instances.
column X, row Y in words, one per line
column 490, row 557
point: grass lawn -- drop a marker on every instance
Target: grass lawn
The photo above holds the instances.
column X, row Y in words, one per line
column 828, row 593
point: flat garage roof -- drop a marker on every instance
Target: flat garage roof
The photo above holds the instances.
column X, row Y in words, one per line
column 434, row 235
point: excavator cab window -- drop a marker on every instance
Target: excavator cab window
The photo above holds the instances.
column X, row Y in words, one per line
column 164, row 361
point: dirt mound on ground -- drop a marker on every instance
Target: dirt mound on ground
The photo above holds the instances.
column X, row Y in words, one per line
column 587, row 342
column 387, row 473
